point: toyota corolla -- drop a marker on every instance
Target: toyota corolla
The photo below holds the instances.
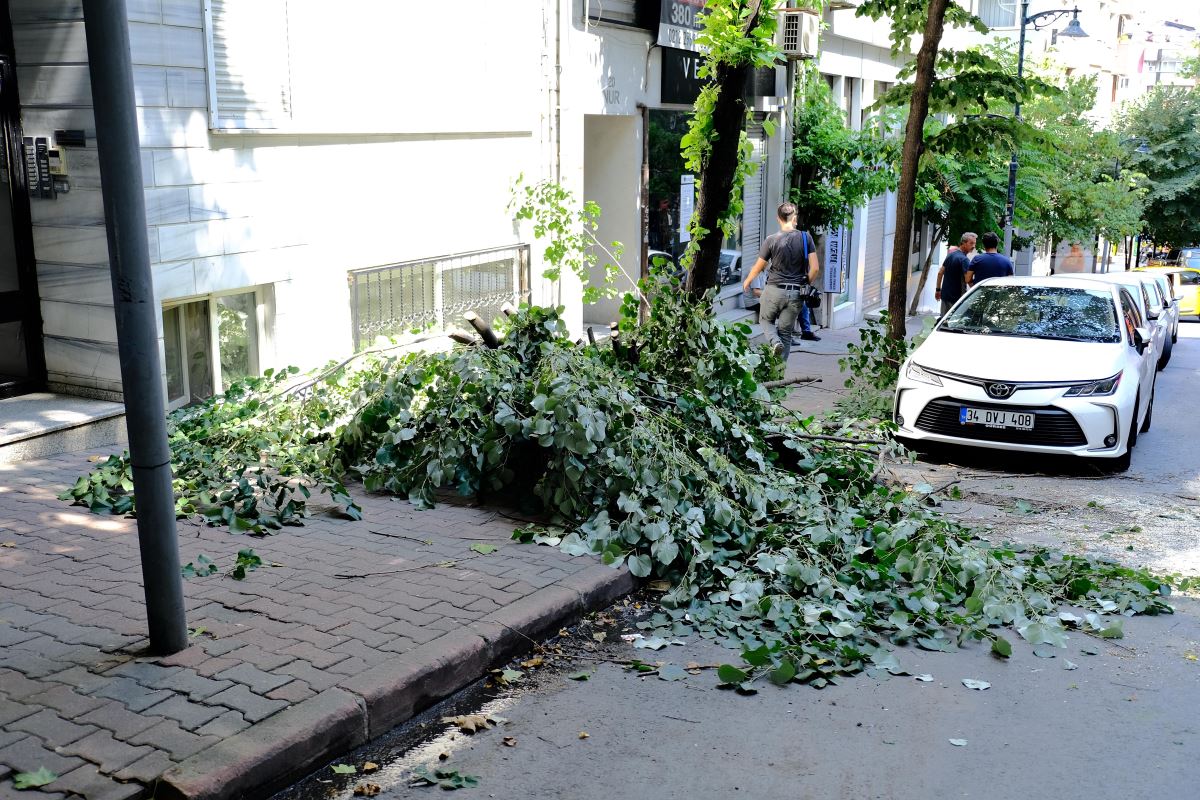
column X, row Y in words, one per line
column 1046, row 365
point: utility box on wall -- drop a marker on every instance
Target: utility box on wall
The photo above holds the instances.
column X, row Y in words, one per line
column 798, row 33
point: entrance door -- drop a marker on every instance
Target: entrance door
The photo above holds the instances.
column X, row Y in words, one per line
column 22, row 362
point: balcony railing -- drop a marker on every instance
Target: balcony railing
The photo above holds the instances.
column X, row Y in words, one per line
column 431, row 295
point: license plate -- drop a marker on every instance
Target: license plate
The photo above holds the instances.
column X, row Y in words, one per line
column 990, row 418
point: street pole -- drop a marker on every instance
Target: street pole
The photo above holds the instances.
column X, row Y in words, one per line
column 1010, row 205
column 109, row 64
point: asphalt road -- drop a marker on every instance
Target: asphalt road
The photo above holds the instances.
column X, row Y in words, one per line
column 1118, row 724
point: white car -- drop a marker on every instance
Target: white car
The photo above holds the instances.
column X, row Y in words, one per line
column 1046, row 365
column 1144, row 290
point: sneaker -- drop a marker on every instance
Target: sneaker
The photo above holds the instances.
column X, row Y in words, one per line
column 809, row 336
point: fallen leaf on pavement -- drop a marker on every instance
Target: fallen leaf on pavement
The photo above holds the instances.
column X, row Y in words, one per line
column 470, row 723
column 582, row 675
column 484, row 549
column 1070, row 665
column 600, row 636
column 344, row 769
column 368, row 789
column 510, row 741
column 926, row 678
column 9, row 544
column 536, row 661
column 32, row 780
column 672, row 672
column 584, row 735
column 971, row 683
column 958, row 742
column 370, row 766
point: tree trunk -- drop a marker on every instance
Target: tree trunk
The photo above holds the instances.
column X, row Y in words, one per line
column 918, row 110
column 717, row 178
column 933, row 243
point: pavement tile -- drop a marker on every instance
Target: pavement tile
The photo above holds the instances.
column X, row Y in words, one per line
column 145, row 770
column 51, row 728
column 169, row 737
column 258, row 680
column 317, row 656
column 10, row 710
column 226, row 725
column 292, row 692
column 191, row 683
column 65, row 700
column 108, row 753
column 135, row 696
column 88, row 782
column 83, row 679
column 188, row 714
column 146, row 673
column 253, row 707
column 319, row 680
column 114, row 716
column 29, row 753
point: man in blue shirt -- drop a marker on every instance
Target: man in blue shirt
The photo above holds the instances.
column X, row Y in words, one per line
column 989, row 263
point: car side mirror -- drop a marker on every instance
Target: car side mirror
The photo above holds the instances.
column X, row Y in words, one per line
column 1154, row 312
column 1141, row 337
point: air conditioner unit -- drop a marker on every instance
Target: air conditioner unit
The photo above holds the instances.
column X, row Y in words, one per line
column 798, row 32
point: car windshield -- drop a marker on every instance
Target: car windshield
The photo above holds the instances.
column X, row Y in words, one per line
column 1037, row 312
column 727, row 259
column 1192, row 261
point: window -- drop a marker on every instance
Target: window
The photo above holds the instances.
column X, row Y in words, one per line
column 998, row 13
column 431, row 295
column 1190, row 278
column 210, row 343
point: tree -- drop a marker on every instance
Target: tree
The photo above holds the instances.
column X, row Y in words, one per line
column 833, row 169
column 908, row 17
column 1167, row 120
column 738, row 36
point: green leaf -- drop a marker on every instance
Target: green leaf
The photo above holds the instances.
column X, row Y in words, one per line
column 344, row 769
column 782, row 674
column 1002, row 647
column 731, row 674
column 672, row 672
column 32, row 780
column 582, row 675
column 640, row 565
column 484, row 549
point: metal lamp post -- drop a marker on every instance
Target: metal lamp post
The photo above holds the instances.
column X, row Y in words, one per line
column 1039, row 21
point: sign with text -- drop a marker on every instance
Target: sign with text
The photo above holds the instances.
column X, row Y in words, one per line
column 835, row 241
column 681, row 83
column 679, row 23
column 687, row 205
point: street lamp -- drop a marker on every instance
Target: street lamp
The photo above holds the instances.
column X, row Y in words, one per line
column 1143, row 148
column 1039, row 21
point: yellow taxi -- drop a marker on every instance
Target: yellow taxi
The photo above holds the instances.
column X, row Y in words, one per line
column 1186, row 282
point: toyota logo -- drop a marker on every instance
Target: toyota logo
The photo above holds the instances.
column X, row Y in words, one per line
column 999, row 390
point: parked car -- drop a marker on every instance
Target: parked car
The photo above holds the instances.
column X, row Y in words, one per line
column 1169, row 297
column 1187, row 287
column 1145, row 293
column 1047, row 365
column 665, row 259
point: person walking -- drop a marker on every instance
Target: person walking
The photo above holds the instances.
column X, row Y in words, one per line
column 989, row 263
column 794, row 265
column 952, row 275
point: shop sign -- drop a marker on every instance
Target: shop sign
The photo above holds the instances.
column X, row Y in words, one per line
column 835, row 240
column 679, row 23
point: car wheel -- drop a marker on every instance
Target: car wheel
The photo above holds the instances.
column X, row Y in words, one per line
column 1122, row 462
column 1149, row 412
column 1165, row 358
column 1133, row 423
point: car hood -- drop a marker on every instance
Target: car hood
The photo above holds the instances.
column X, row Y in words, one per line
column 1017, row 359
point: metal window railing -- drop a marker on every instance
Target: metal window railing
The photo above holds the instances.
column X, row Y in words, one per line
column 431, row 295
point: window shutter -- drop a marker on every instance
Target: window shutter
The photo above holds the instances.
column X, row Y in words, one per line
column 249, row 69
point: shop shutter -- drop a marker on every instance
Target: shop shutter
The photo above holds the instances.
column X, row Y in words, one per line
column 873, row 265
column 754, row 199
column 619, row 11
column 249, row 69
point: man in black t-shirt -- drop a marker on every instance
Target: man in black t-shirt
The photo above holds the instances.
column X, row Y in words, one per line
column 952, row 277
column 794, row 264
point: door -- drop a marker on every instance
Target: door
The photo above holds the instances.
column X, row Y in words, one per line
column 872, row 296
column 22, row 363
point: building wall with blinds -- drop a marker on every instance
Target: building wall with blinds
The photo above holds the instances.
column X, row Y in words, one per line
column 998, row 13
column 872, row 295
column 371, row 66
column 632, row 13
column 754, row 197
column 250, row 76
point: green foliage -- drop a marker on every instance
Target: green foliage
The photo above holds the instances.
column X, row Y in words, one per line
column 664, row 452
column 908, row 18
column 1167, row 119
column 873, row 366
column 247, row 561
column 570, row 234
column 33, row 780
column 251, row 458
column 202, row 567
column 834, row 169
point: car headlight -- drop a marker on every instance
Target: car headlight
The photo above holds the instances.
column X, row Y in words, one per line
column 1096, row 388
column 921, row 375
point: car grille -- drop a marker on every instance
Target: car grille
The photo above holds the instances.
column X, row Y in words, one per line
column 1052, row 427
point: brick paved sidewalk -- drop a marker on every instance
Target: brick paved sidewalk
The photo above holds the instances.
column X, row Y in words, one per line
column 292, row 664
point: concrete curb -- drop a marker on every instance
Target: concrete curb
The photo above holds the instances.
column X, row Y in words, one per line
column 286, row 746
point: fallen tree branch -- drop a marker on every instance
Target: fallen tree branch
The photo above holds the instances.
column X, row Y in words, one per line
column 791, row 381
